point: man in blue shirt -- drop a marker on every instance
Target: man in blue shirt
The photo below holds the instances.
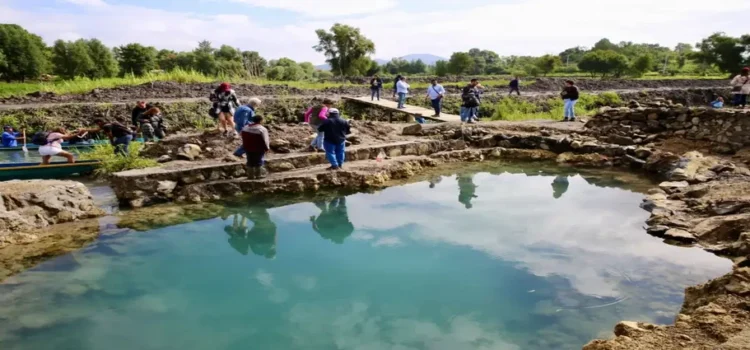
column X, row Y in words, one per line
column 435, row 93
column 10, row 138
column 243, row 116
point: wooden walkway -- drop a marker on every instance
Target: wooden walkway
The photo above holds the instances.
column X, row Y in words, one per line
column 413, row 110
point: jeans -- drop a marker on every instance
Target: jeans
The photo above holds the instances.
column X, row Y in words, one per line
column 517, row 90
column 469, row 113
column 437, row 105
column 121, row 144
column 740, row 100
column 335, row 153
column 570, row 109
column 317, row 142
column 255, row 159
column 240, row 151
column 401, row 99
column 374, row 93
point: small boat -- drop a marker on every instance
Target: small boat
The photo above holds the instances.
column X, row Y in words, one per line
column 65, row 146
column 54, row 170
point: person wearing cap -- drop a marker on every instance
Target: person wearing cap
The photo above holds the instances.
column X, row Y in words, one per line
column 335, row 130
column 741, row 88
column 225, row 100
column 10, row 137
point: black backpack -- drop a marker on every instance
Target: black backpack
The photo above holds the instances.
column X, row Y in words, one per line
column 470, row 99
column 40, row 138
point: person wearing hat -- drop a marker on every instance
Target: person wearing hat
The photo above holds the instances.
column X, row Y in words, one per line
column 335, row 130
column 10, row 137
column 225, row 100
column 741, row 88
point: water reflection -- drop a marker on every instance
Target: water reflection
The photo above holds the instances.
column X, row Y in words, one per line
column 260, row 239
column 333, row 221
column 466, row 190
column 559, row 186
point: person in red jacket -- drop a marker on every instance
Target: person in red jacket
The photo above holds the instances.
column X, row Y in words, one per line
column 256, row 143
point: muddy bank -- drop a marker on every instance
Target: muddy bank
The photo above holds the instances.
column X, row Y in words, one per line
column 173, row 90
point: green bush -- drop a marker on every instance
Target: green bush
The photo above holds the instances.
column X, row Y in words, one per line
column 112, row 163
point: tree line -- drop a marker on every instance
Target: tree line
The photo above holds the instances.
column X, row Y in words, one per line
column 24, row 55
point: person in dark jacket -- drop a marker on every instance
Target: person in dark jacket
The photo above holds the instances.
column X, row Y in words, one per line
column 471, row 98
column 335, row 130
column 376, row 85
column 140, row 108
column 333, row 222
column 119, row 135
column 256, row 143
column 570, row 97
column 515, row 85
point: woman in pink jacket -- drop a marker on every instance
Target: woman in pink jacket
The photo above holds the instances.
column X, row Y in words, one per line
column 315, row 117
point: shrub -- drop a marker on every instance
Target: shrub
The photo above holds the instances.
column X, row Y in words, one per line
column 112, row 163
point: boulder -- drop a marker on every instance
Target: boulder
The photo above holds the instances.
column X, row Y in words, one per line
column 620, row 140
column 277, row 144
column 412, row 130
column 584, row 160
column 189, row 151
column 679, row 235
column 662, row 162
column 354, row 139
column 164, row 159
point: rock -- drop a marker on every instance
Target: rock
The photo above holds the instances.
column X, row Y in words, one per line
column 679, row 235
column 584, row 160
column 628, row 329
column 739, row 282
column 165, row 187
column 354, row 139
column 635, row 162
column 657, row 230
column 164, row 159
column 662, row 162
column 643, row 153
column 189, row 151
column 667, row 186
column 620, row 140
column 576, row 144
column 412, row 130
column 678, row 175
column 279, row 143
column 634, row 104
column 730, row 207
column 26, row 206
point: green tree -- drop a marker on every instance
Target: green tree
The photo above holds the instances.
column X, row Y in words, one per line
column 185, row 60
column 344, row 46
column 71, row 59
column 136, row 59
column 460, row 63
column 230, row 68
column 308, row 68
column 3, row 62
column 254, row 64
column 441, row 68
column 572, row 55
column 24, row 53
column 275, row 73
column 684, row 51
column 723, row 51
column 548, row 63
column 105, row 64
column 641, row 65
column 604, row 62
column 167, row 60
column 204, row 59
column 228, row 53
column 604, row 45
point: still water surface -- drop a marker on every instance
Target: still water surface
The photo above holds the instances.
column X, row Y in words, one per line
column 474, row 261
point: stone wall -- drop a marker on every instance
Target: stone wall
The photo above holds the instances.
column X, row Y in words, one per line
column 642, row 125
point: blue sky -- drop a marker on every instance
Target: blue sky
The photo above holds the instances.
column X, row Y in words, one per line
column 286, row 28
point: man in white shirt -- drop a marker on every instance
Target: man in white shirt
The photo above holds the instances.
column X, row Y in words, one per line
column 402, row 88
column 436, row 92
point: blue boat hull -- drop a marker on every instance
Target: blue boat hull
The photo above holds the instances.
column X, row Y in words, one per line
column 54, row 170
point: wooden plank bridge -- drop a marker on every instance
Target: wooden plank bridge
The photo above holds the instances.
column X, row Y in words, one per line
column 412, row 110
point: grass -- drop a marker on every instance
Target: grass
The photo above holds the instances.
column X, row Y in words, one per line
column 112, row 163
column 516, row 109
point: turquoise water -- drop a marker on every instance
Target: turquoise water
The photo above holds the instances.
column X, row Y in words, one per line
column 478, row 261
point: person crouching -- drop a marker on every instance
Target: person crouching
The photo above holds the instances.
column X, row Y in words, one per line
column 256, row 143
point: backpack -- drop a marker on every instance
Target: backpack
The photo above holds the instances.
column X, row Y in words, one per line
column 40, row 138
column 315, row 115
column 470, row 98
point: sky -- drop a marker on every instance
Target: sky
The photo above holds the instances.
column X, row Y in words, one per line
column 286, row 28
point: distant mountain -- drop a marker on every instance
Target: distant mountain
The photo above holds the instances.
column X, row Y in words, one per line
column 428, row 59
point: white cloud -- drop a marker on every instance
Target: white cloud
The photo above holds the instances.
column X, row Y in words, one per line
column 324, row 8
column 530, row 27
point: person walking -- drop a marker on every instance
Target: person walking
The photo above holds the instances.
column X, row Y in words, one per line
column 376, row 85
column 515, row 85
column 436, row 92
column 470, row 97
column 395, row 84
column 315, row 116
column 402, row 89
column 256, row 143
column 242, row 117
column 570, row 95
column 225, row 100
column 50, row 144
column 335, row 130
column 741, row 88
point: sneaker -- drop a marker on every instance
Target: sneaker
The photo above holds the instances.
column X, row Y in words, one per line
column 566, row 120
column 332, row 168
column 573, row 119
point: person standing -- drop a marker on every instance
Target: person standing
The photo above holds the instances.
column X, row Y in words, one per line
column 402, row 89
column 335, row 130
column 395, row 84
column 225, row 100
column 376, row 85
column 515, row 85
column 741, row 88
column 436, row 92
column 315, row 116
column 470, row 97
column 10, row 137
column 256, row 142
column 570, row 95
column 242, row 117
